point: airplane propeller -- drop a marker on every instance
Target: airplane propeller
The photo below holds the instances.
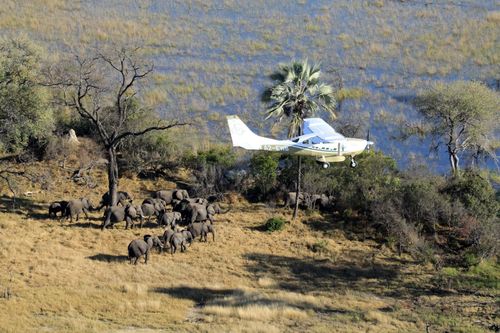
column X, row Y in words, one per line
column 369, row 143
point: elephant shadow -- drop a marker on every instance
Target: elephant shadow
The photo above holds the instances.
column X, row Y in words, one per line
column 104, row 257
column 88, row 225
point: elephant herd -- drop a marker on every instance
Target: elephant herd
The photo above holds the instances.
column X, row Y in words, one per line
column 172, row 210
column 309, row 200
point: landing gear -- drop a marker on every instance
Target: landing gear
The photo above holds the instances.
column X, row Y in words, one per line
column 353, row 163
column 326, row 165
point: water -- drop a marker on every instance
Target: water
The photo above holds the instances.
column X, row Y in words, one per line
column 216, row 55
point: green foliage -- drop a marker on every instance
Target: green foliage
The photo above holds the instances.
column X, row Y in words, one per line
column 25, row 113
column 423, row 204
column 463, row 116
column 217, row 156
column 297, row 93
column 485, row 274
column 263, row 167
column 357, row 188
column 476, row 194
column 210, row 168
column 275, row 224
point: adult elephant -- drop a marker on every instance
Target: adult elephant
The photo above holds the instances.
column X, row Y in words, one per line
column 290, row 198
column 123, row 199
column 115, row 214
column 193, row 212
column 149, row 210
column 170, row 195
column 321, row 201
column 77, row 206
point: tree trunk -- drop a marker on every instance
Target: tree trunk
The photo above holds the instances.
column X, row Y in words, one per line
column 454, row 162
column 297, row 192
column 113, row 175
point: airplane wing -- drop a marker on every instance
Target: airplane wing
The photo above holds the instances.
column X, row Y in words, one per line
column 302, row 138
column 320, row 128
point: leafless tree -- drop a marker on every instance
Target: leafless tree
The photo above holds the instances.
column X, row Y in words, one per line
column 102, row 88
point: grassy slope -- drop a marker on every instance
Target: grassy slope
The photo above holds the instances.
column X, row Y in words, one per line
column 73, row 277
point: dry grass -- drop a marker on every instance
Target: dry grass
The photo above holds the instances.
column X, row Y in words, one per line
column 72, row 277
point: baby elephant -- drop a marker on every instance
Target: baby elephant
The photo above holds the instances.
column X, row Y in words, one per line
column 141, row 247
column 57, row 207
column 201, row 229
column 169, row 219
column 180, row 239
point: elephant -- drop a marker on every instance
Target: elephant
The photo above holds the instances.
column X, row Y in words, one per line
column 201, row 201
column 169, row 195
column 215, row 208
column 193, row 212
column 56, row 207
column 141, row 247
column 77, row 206
column 304, row 199
column 179, row 239
column 123, row 199
column 117, row 214
column 201, row 229
column 167, row 235
column 169, row 219
column 149, row 210
column 154, row 201
column 321, row 201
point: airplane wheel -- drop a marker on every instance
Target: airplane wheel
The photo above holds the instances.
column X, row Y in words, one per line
column 326, row 165
column 353, row 164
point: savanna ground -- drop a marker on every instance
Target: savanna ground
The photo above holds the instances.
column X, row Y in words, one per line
column 317, row 275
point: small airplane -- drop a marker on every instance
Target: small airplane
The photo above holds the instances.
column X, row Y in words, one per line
column 319, row 140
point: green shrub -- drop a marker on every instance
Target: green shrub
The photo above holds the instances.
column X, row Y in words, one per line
column 26, row 116
column 275, row 224
column 263, row 167
column 210, row 168
column 476, row 194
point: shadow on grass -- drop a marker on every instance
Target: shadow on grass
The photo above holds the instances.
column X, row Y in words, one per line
column 237, row 298
column 198, row 295
column 85, row 225
column 23, row 206
column 103, row 257
column 307, row 275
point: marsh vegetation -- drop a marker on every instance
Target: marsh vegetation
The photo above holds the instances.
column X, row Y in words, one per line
column 400, row 243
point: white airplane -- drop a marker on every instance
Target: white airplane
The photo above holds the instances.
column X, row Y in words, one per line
column 319, row 140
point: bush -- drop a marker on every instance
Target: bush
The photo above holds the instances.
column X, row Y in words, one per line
column 147, row 154
column 424, row 205
column 210, row 168
column 25, row 114
column 275, row 224
column 375, row 178
column 263, row 168
column 475, row 193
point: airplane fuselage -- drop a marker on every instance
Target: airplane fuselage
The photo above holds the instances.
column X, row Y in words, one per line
column 345, row 147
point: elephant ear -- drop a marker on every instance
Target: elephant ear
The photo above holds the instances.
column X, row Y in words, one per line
column 178, row 195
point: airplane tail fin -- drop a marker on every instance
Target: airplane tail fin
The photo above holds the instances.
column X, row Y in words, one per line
column 243, row 137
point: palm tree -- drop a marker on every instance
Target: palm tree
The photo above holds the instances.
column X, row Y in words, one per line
column 298, row 94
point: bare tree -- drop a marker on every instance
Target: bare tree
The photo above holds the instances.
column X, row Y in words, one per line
column 102, row 88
